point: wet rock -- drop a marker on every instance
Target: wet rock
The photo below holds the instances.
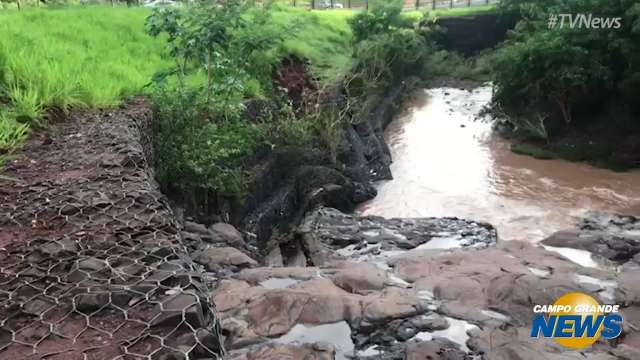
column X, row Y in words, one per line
column 430, row 322
column 232, row 294
column 59, row 247
column 36, row 307
column 333, row 228
column 274, row 258
column 194, row 227
column 216, row 258
column 360, row 278
column 318, row 301
column 470, row 283
column 91, row 264
column 388, row 333
column 182, row 307
column 393, row 303
column 437, row 349
column 405, row 332
column 609, row 222
column 90, row 302
column 613, row 237
column 257, row 275
column 226, row 233
column 517, row 344
column 288, row 352
column 276, row 312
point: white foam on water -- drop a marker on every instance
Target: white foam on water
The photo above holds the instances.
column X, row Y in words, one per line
column 338, row 334
column 581, row 257
column 398, row 281
column 426, row 295
column 496, row 315
column 370, row 351
column 456, row 332
column 441, row 243
column 539, row 272
column 608, row 287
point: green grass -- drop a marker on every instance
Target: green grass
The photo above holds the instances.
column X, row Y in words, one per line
column 90, row 56
column 455, row 12
column 323, row 37
column 96, row 56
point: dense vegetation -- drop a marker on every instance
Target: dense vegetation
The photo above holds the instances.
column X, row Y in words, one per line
column 97, row 56
column 225, row 60
column 576, row 88
column 103, row 55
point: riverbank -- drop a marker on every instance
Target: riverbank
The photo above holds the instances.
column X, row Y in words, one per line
column 343, row 286
column 476, row 175
column 602, row 144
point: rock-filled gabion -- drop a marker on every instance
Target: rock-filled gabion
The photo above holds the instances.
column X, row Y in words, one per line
column 91, row 261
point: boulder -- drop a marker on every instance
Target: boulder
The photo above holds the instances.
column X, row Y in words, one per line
column 360, row 278
column 337, row 230
column 437, row 349
column 320, row 351
column 216, row 258
column 256, row 275
column 196, row 228
column 226, row 233
column 613, row 237
column 310, row 302
column 393, row 303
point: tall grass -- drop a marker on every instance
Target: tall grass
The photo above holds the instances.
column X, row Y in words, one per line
column 95, row 56
column 91, row 56
column 323, row 37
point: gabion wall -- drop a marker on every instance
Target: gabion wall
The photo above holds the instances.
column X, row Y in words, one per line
column 91, row 261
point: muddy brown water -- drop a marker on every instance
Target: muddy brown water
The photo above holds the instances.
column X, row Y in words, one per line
column 449, row 163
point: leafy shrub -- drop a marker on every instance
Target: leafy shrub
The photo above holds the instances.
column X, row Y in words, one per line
column 193, row 151
column 285, row 127
column 383, row 18
column 547, row 79
column 445, row 63
column 202, row 139
column 385, row 59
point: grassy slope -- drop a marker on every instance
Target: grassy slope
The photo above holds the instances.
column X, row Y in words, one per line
column 89, row 56
column 324, row 37
column 96, row 56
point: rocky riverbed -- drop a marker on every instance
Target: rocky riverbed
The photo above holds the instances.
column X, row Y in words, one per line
column 365, row 287
column 94, row 265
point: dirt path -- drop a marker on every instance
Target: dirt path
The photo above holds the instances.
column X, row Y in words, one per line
column 91, row 262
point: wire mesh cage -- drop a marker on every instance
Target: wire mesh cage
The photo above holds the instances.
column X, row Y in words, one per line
column 91, row 261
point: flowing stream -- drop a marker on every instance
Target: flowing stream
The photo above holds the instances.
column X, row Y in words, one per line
column 448, row 163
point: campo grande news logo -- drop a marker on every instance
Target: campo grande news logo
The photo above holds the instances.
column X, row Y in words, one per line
column 577, row 321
